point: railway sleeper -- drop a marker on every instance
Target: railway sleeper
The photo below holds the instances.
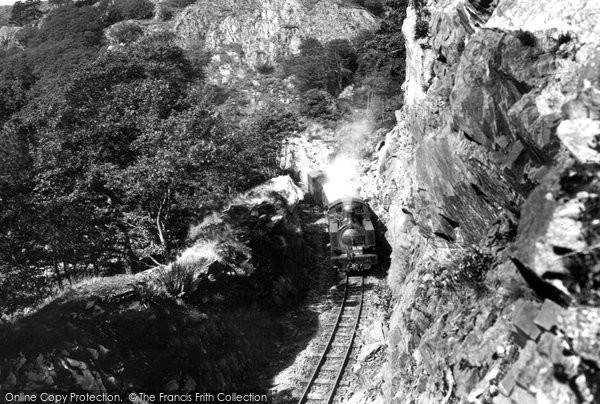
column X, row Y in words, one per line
column 336, row 344
column 340, row 344
column 325, row 381
column 340, row 325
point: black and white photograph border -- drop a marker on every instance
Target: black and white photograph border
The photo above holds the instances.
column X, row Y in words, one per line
column 300, row 201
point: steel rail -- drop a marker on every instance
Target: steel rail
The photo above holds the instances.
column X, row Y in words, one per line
column 328, row 346
column 338, row 379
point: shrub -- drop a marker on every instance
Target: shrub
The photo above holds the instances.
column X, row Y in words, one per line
column 376, row 7
column 526, row 38
column 460, row 46
column 564, row 38
column 465, row 276
column 330, row 66
column 319, row 104
column 164, row 13
column 381, row 64
column 265, row 68
column 23, row 287
column 421, row 29
column 181, row 279
column 133, row 9
column 124, row 32
column 419, row 4
column 179, row 3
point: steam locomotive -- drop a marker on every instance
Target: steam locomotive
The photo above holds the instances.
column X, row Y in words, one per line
column 351, row 231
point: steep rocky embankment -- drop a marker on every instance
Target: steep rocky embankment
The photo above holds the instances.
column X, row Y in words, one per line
column 489, row 186
column 207, row 322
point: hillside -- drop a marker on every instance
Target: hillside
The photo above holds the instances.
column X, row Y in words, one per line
column 154, row 234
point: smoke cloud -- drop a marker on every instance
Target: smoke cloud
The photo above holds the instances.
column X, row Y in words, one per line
column 343, row 171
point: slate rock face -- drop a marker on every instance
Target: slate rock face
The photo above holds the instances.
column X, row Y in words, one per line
column 489, row 188
column 8, row 38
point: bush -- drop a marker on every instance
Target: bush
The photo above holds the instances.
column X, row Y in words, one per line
column 180, row 280
column 330, row 66
column 526, row 38
column 124, row 32
column 421, row 29
column 164, row 13
column 564, row 38
column 381, row 64
column 460, row 47
column 376, row 7
column 265, row 68
column 23, row 287
column 179, row 3
column 318, row 104
column 133, row 9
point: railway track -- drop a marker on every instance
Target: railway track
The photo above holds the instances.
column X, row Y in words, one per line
column 325, row 379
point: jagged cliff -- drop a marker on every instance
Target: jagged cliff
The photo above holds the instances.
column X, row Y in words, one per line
column 251, row 33
column 489, row 188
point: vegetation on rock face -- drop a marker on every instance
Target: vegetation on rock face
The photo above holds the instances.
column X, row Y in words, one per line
column 23, row 13
column 329, row 67
column 319, row 104
column 132, row 9
column 381, row 63
column 373, row 63
column 125, row 32
column 422, row 23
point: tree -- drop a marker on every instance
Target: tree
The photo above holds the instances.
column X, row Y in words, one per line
column 330, row 67
column 261, row 141
column 132, row 9
column 319, row 104
column 12, row 98
column 70, row 36
column 58, row 3
column 122, row 152
column 341, row 60
column 24, row 13
column 381, row 63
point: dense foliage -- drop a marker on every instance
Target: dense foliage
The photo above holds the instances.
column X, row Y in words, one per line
column 319, row 104
column 25, row 12
column 109, row 156
column 70, row 36
column 381, row 63
column 329, row 67
column 374, row 63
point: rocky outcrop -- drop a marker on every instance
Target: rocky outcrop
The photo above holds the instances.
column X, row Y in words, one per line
column 8, row 38
column 202, row 323
column 489, row 189
column 251, row 33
